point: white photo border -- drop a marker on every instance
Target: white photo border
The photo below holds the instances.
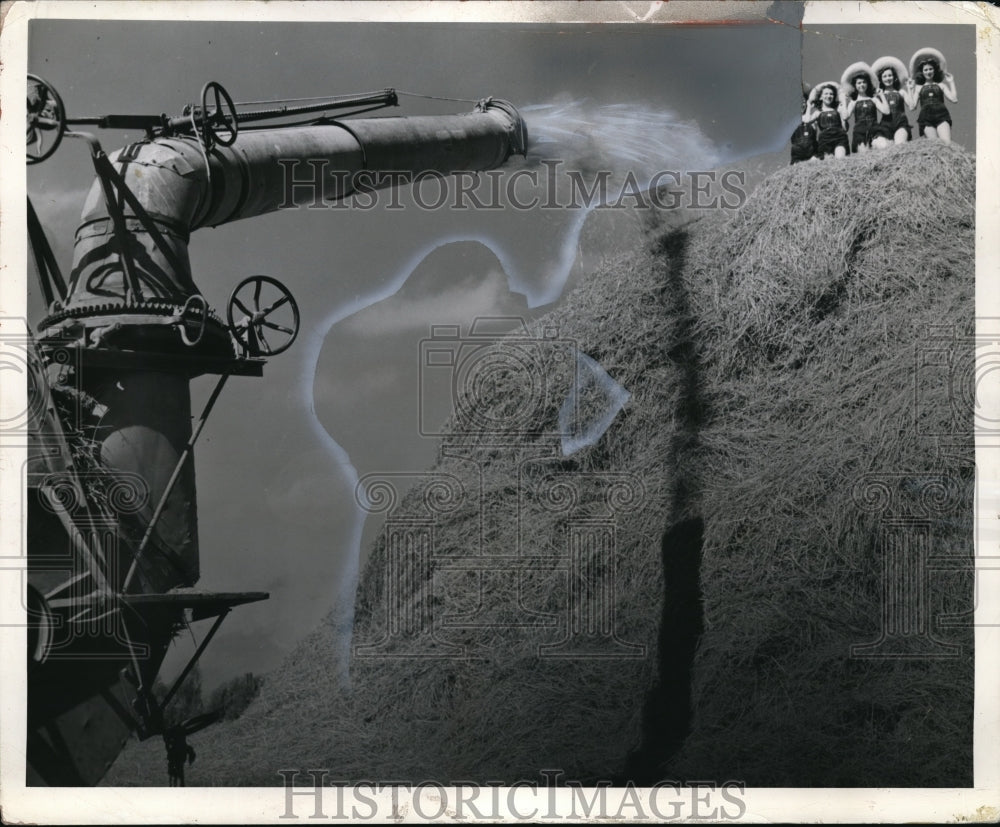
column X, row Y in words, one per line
column 266, row 805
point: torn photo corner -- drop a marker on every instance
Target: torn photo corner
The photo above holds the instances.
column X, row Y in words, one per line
column 499, row 412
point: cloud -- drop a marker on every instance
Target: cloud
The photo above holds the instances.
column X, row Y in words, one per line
column 360, row 384
column 59, row 210
column 307, row 485
column 456, row 304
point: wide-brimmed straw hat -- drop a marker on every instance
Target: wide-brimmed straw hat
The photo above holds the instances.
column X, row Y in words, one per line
column 814, row 94
column 888, row 62
column 921, row 55
column 855, row 69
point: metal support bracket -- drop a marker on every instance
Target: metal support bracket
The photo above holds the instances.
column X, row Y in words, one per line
column 188, row 449
column 194, row 658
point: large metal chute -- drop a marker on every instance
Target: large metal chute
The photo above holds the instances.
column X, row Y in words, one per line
column 184, row 187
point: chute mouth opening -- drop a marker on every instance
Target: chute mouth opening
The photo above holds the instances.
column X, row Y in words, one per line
column 519, row 129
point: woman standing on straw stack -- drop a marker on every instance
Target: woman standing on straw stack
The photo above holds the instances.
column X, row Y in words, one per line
column 858, row 77
column 928, row 66
column 824, row 108
column 891, row 102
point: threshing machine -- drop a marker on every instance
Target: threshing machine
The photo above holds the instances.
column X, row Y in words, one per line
column 113, row 554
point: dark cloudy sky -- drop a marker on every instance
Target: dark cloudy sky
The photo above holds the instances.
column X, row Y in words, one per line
column 278, row 461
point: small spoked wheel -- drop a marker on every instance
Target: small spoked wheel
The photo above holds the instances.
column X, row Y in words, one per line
column 46, row 120
column 219, row 123
column 263, row 316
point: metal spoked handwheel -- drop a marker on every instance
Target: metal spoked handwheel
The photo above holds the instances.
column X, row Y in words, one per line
column 46, row 116
column 220, row 125
column 270, row 317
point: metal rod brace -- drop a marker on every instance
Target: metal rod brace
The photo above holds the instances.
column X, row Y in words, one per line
column 49, row 275
column 188, row 449
column 194, row 658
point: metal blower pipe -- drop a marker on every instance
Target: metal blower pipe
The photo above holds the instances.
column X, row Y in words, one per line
column 184, row 188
